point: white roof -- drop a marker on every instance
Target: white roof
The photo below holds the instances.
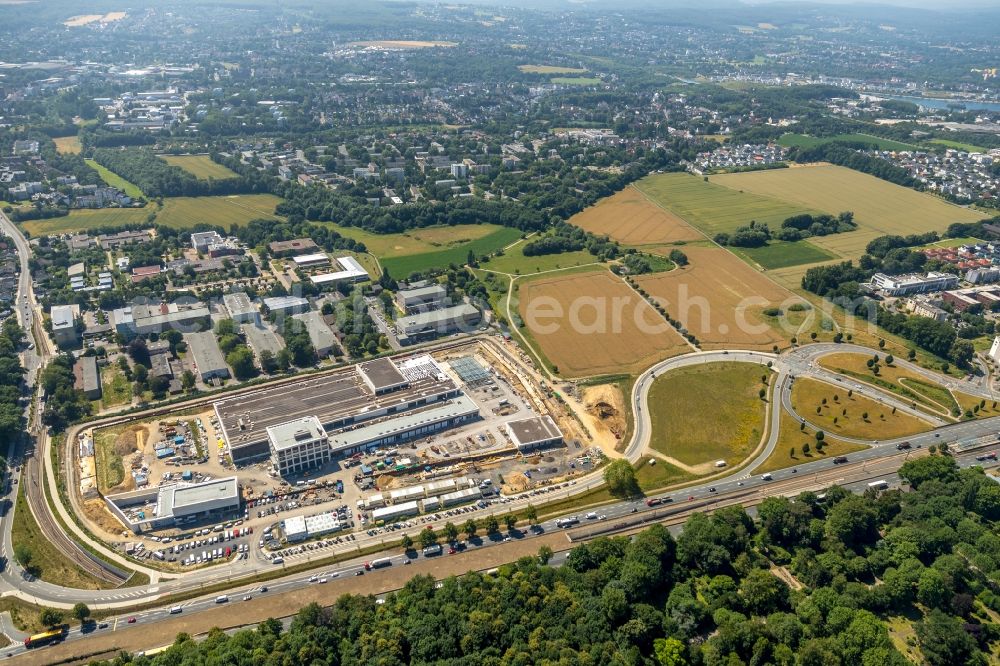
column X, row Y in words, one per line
column 310, row 258
column 351, row 270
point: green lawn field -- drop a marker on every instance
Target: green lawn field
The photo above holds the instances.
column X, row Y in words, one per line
column 114, row 180
column 199, row 166
column 712, row 208
column 708, row 412
column 402, row 266
column 958, row 145
column 514, row 261
column 780, row 254
column 805, row 141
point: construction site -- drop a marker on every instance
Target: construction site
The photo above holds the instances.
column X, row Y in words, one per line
column 465, row 425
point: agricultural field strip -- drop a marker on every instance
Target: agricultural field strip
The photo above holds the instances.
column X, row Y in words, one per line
column 879, row 207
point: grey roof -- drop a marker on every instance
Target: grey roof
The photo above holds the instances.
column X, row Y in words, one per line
column 177, row 496
column 430, row 292
column 262, row 338
column 91, row 379
column 533, row 430
column 436, row 319
column 207, row 355
column 238, row 303
column 320, row 335
column 460, row 406
column 62, row 317
column 286, row 302
column 381, row 374
column 290, row 433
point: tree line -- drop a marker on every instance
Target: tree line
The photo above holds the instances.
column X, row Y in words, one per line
column 813, row 580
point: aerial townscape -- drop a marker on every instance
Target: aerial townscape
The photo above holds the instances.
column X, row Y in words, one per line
column 646, row 333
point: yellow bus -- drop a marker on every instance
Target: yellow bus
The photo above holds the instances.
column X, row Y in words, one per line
column 44, row 638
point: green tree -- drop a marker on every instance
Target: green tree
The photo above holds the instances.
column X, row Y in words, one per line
column 944, row 641
column 492, row 525
column 621, row 479
column 450, row 532
column 762, row 593
column 50, row 617
column 427, row 538
column 545, row 554
column 469, row 528
column 240, row 360
column 531, row 513
column 510, row 520
column 406, row 542
column 23, row 555
column 81, row 611
column 669, row 652
column 187, row 380
column 268, row 362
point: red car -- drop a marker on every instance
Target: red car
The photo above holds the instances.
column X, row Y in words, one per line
column 131, row 620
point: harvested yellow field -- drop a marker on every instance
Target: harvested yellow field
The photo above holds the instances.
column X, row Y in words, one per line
column 721, row 300
column 199, row 166
column 880, row 207
column 631, row 219
column 592, row 323
column 85, row 19
column 68, row 144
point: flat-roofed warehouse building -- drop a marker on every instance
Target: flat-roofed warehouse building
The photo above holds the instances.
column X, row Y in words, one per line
column 240, row 308
column 296, row 246
column 88, row 378
column 339, row 400
column 533, row 433
column 421, row 299
column 428, row 325
column 298, row 445
column 286, row 305
column 382, row 376
column 402, row 428
column 208, row 360
column 310, row 260
column 164, row 506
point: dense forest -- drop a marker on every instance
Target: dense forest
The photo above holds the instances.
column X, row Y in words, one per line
column 818, row 580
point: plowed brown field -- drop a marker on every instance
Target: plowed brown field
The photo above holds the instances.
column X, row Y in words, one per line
column 593, row 324
column 720, row 299
column 630, row 218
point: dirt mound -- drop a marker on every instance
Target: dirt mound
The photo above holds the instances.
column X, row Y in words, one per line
column 515, row 483
column 130, row 441
column 98, row 514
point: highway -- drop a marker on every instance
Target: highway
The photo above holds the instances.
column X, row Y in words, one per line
column 619, row 517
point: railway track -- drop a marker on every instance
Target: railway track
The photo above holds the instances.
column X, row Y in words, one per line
column 54, row 532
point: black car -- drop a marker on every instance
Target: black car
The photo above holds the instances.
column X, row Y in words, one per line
column 903, row 445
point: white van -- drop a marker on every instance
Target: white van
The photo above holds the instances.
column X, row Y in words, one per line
column 766, row 477
column 174, row 610
column 221, row 599
column 720, row 463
